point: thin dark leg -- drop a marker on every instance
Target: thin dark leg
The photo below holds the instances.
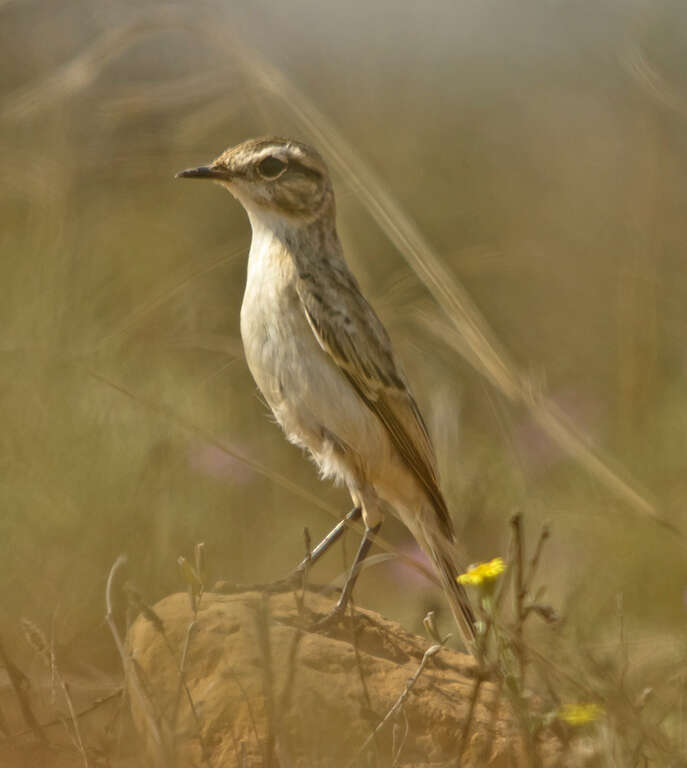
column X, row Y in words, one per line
column 351, row 579
column 329, row 539
column 363, row 549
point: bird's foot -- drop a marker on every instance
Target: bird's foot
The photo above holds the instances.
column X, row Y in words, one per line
column 330, row 620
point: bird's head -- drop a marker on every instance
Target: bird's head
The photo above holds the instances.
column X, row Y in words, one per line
column 272, row 177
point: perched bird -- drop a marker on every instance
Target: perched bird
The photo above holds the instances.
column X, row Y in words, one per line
column 323, row 360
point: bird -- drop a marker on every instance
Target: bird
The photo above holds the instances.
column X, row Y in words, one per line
column 324, row 362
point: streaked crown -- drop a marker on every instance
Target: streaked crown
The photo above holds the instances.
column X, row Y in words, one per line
column 282, row 176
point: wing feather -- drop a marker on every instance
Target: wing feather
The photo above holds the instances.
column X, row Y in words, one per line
column 348, row 329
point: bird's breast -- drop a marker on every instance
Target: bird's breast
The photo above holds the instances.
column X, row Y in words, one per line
column 281, row 351
column 303, row 386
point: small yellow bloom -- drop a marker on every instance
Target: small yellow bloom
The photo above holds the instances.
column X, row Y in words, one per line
column 483, row 573
column 581, row 714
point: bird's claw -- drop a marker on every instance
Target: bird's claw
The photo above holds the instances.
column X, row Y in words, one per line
column 331, row 619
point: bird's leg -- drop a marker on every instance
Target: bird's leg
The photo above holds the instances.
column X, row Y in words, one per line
column 328, row 540
column 352, row 577
column 363, row 549
column 296, row 575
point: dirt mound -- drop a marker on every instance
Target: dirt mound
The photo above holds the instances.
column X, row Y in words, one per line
column 268, row 688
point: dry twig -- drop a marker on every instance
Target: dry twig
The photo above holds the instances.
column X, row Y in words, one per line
column 429, row 653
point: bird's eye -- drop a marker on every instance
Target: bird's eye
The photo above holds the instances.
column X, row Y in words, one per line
column 271, row 168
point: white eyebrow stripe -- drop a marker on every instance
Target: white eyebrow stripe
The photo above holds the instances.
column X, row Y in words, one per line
column 281, row 153
column 275, row 151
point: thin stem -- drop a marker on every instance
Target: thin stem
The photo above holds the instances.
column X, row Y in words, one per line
column 16, row 679
column 429, row 653
column 130, row 672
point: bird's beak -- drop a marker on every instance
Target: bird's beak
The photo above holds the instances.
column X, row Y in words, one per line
column 216, row 172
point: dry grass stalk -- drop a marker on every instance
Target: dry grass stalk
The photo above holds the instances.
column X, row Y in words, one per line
column 95, row 705
column 398, row 704
column 83, row 70
column 19, row 685
column 164, row 756
column 37, row 640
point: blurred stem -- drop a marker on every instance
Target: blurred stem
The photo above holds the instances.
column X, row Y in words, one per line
column 17, row 678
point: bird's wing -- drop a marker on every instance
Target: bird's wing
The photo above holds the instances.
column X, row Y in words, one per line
column 348, row 329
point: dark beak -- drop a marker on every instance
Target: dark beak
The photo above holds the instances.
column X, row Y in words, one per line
column 204, row 172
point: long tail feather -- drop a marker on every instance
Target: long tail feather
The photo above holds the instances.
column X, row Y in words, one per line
column 458, row 600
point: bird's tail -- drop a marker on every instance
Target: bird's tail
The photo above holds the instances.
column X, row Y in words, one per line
column 455, row 593
column 458, row 600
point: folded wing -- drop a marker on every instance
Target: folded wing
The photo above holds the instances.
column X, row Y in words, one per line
column 348, row 329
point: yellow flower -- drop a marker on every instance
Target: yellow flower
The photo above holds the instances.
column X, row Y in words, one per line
column 483, row 573
column 581, row 714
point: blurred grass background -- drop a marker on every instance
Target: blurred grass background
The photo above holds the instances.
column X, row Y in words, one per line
column 541, row 149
